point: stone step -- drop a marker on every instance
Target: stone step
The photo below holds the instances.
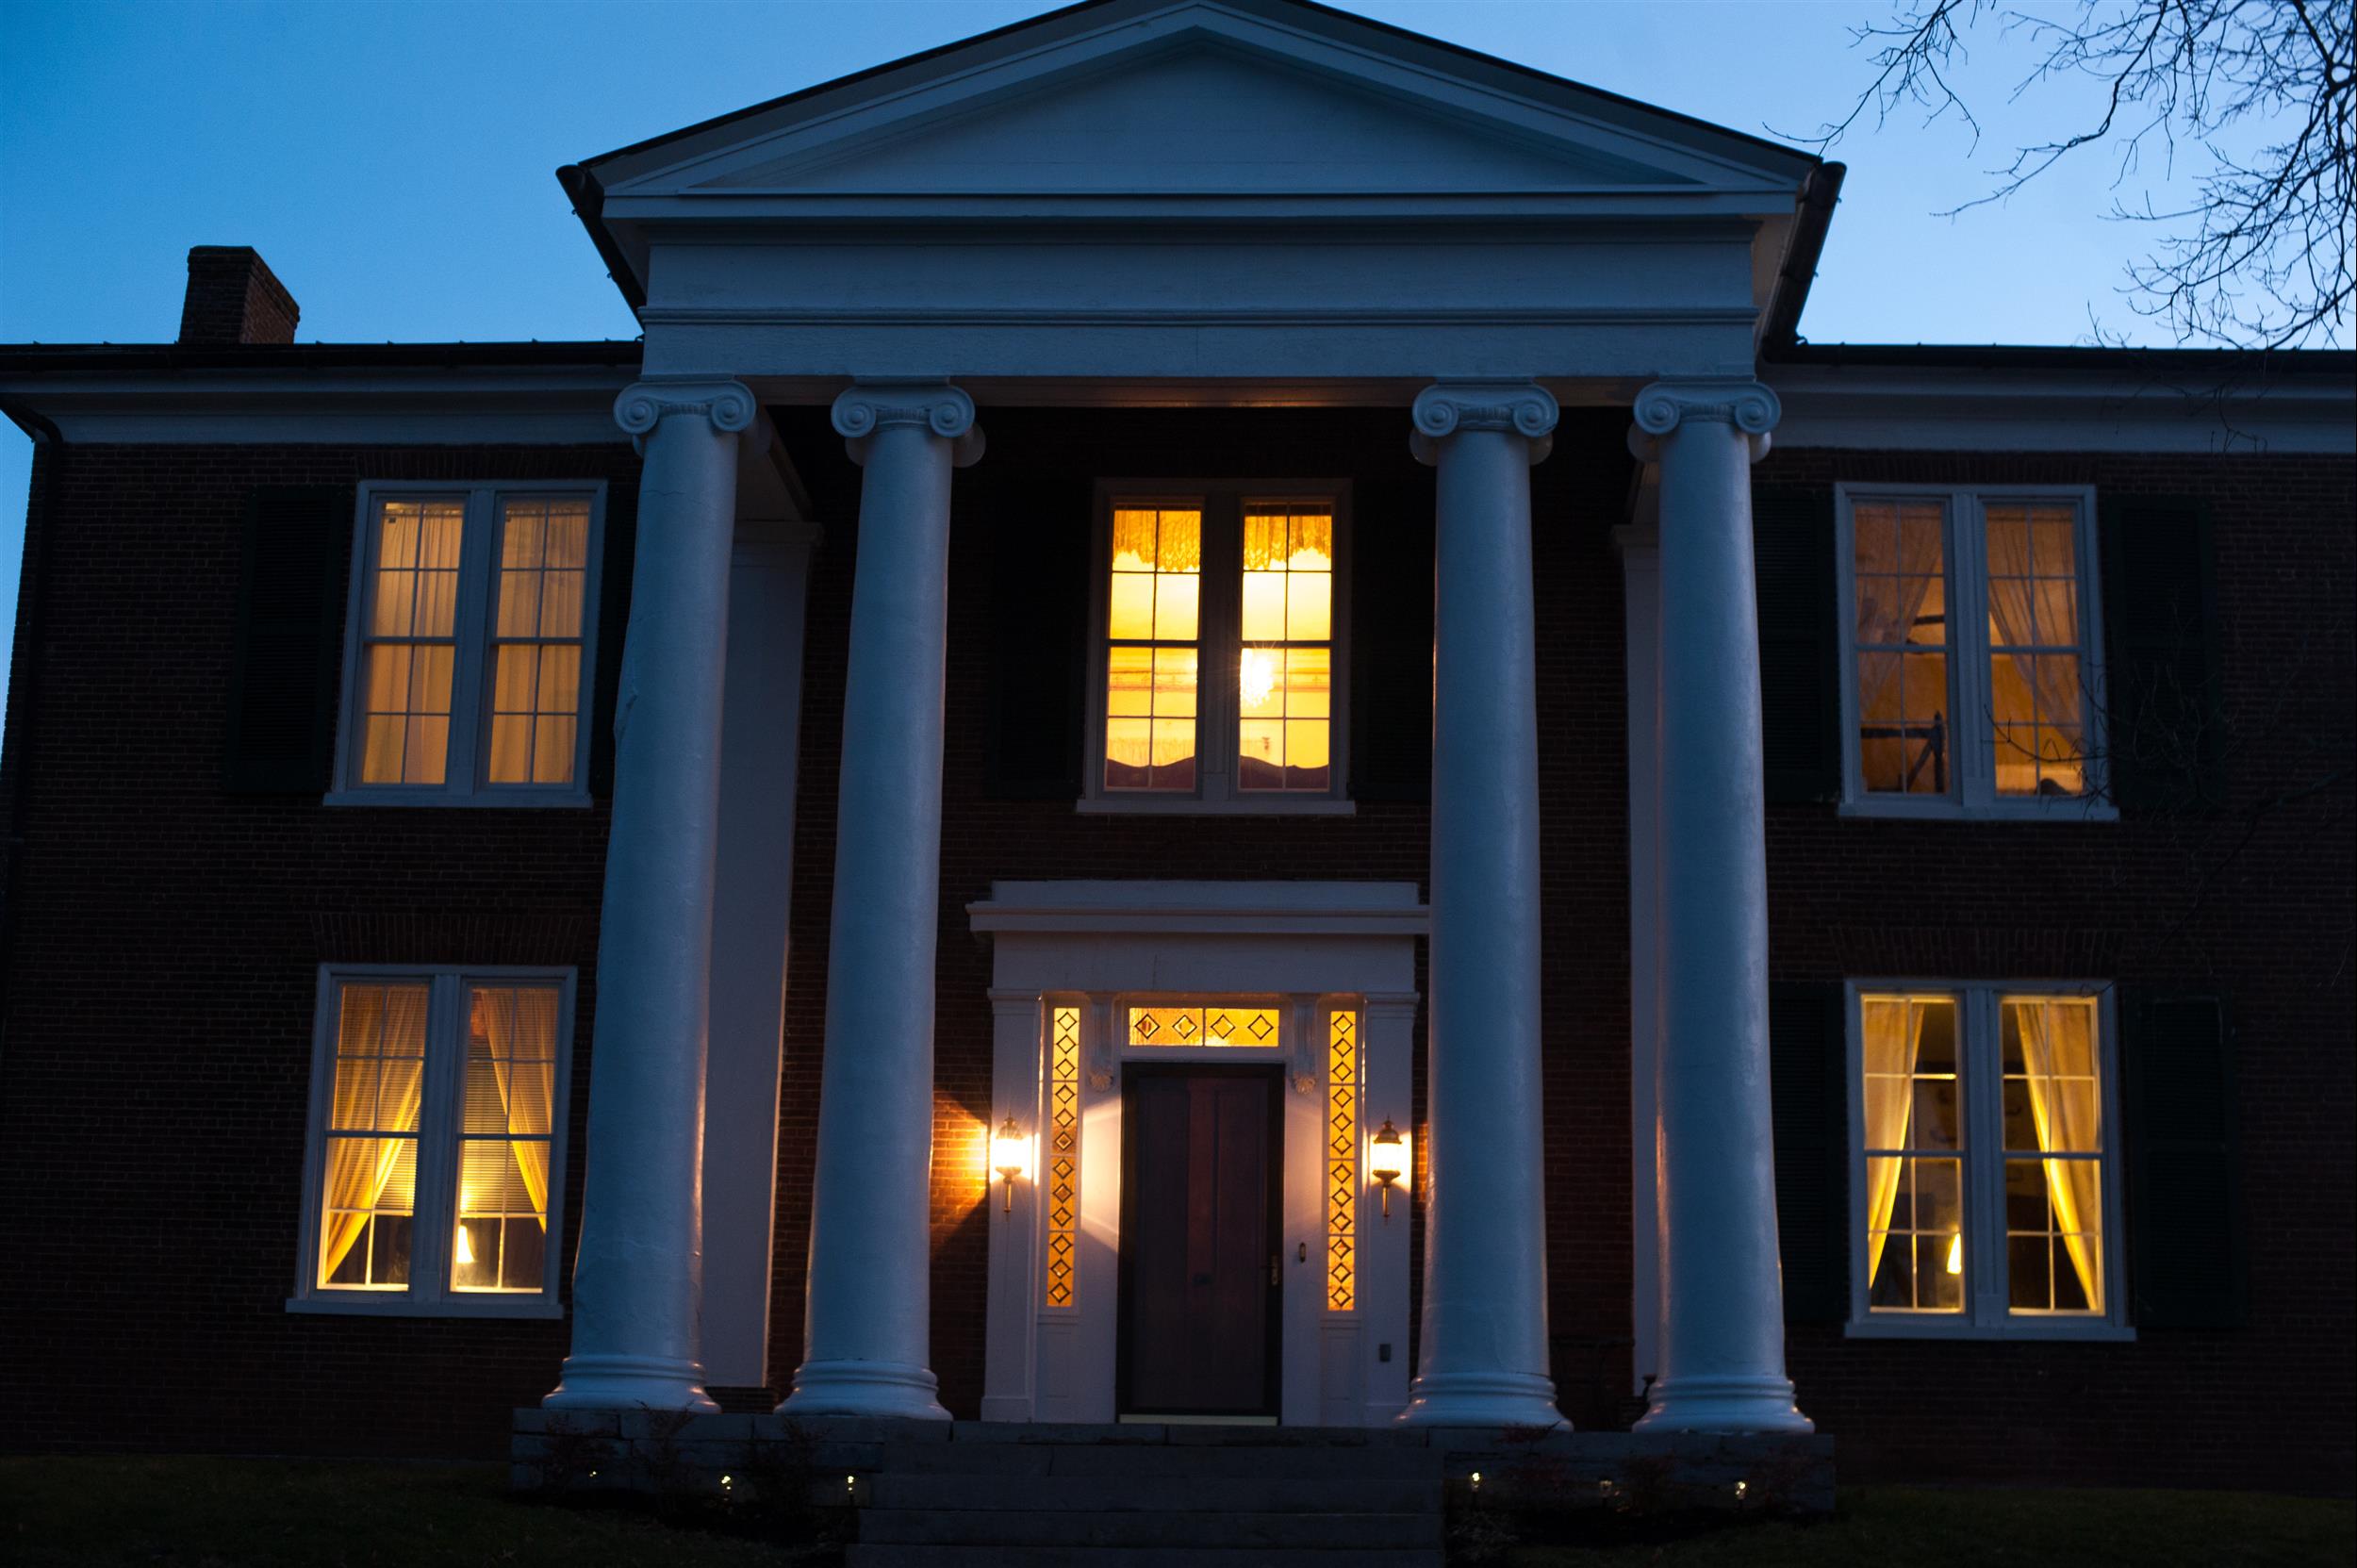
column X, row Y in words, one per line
column 1154, row 1494
column 1075, row 1458
column 1300, row 1531
column 898, row 1555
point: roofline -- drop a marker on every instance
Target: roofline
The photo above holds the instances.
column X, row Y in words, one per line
column 1780, row 326
column 33, row 358
column 588, row 194
column 1515, row 67
column 2024, row 357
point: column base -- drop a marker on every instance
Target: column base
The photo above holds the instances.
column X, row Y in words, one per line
column 1725, row 1405
column 897, row 1391
column 1482, row 1399
column 630, row 1382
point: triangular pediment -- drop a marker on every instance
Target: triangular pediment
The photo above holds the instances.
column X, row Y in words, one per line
column 1196, row 98
column 1199, row 118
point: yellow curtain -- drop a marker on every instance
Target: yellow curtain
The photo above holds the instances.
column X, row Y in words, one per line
column 358, row 1169
column 523, row 1021
column 1894, row 1033
column 2052, row 678
column 2066, row 1123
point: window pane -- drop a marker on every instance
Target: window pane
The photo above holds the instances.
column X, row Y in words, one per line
column 1899, row 571
column 1285, row 683
column 1217, row 1024
column 1152, row 670
column 1911, row 1101
column 2054, row 1108
column 535, row 684
column 2035, row 673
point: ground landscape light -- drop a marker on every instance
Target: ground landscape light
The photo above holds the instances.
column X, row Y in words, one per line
column 1010, row 1154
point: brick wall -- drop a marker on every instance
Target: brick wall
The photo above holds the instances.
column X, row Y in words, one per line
column 157, row 1061
column 154, row 1075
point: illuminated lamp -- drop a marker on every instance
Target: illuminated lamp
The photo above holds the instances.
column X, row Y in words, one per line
column 1010, row 1153
column 1386, row 1160
column 1956, row 1253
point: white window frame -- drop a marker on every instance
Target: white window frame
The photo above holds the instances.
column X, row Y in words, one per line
column 1981, row 1106
column 1219, row 645
column 463, row 782
column 441, row 1103
column 1971, row 761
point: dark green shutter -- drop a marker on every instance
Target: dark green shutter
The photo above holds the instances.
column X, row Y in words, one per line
column 617, row 559
column 1040, row 685
column 1390, row 652
column 1800, row 650
column 2187, row 1265
column 1808, row 1057
column 2165, row 743
column 282, row 683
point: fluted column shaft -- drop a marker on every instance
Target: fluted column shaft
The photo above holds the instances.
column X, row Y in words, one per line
column 865, row 1348
column 1484, row 1352
column 1721, row 1347
column 637, row 1281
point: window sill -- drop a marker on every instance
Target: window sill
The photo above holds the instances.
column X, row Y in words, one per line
column 393, row 1304
column 2088, row 1329
column 1902, row 808
column 1188, row 805
column 573, row 799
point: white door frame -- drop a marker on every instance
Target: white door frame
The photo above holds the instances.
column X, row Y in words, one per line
column 1309, row 949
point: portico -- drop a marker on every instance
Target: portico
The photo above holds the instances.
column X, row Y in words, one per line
column 1468, row 248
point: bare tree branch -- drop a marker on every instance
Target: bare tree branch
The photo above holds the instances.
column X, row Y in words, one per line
column 2256, row 96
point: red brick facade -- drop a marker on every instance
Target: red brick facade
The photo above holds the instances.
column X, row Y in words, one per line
column 163, row 936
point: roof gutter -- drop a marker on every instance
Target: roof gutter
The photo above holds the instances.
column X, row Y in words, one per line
column 1780, row 329
column 588, row 199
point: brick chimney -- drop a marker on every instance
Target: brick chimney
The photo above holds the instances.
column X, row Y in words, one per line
column 234, row 298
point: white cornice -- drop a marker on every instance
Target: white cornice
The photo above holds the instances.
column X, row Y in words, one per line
column 474, row 406
column 2060, row 409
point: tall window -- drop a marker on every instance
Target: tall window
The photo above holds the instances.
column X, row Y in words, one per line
column 1221, row 645
column 471, row 620
column 434, row 1150
column 1983, row 1160
column 1971, row 675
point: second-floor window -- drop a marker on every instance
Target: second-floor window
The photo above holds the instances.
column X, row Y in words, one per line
column 1971, row 676
column 1220, row 640
column 467, row 668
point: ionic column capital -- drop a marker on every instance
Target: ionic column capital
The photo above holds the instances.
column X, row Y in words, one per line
column 934, row 406
column 1662, row 407
column 643, row 404
column 1524, row 408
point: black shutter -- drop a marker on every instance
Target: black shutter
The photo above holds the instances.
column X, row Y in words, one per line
column 1808, row 1056
column 2187, row 1264
column 1799, row 654
column 1391, row 652
column 282, row 682
column 2165, row 743
column 619, row 557
column 1040, row 680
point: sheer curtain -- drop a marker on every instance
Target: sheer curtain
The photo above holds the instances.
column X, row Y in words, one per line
column 520, row 1026
column 1891, row 592
column 2066, row 1122
column 2053, row 680
column 359, row 1170
column 1893, row 1033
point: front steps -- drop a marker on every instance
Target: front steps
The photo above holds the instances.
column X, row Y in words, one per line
column 1089, row 1504
column 1008, row 1495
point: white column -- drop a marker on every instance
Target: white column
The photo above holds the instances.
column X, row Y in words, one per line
column 637, row 1282
column 866, row 1346
column 1722, row 1347
column 1484, row 1358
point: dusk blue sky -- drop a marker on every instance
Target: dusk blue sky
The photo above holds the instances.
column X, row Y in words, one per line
column 393, row 161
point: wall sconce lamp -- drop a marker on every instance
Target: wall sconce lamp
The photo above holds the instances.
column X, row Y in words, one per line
column 1386, row 1160
column 1010, row 1154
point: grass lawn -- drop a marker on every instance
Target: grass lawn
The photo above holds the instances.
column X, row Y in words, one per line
column 1896, row 1526
column 296, row 1514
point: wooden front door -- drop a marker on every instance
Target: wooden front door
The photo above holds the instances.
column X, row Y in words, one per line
column 1199, row 1194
